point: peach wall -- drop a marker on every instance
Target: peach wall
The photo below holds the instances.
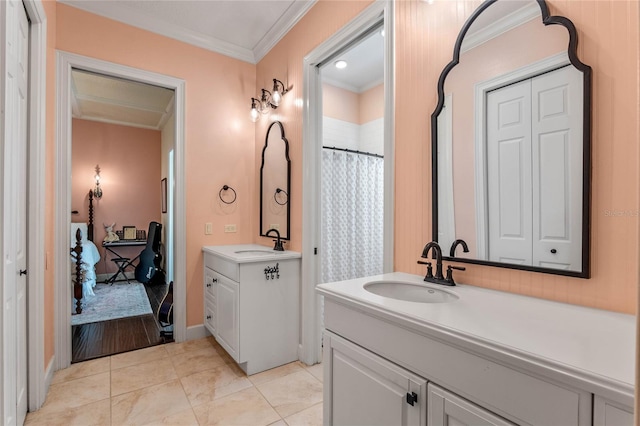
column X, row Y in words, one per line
column 357, row 108
column 219, row 137
column 371, row 104
column 129, row 160
column 50, row 173
column 608, row 41
column 340, row 104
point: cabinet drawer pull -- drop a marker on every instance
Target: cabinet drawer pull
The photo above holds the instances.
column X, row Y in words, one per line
column 208, row 317
column 215, row 280
column 209, row 284
column 412, row 398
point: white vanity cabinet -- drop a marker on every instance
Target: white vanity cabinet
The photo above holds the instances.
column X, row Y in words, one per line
column 487, row 358
column 251, row 304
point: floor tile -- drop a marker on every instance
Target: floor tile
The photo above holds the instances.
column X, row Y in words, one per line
column 82, row 369
column 183, row 418
column 149, row 405
column 96, row 413
column 206, row 386
column 292, row 393
column 316, row 370
column 140, row 376
column 311, row 416
column 75, row 393
column 246, row 407
column 138, row 357
column 195, row 361
column 279, row 423
column 188, row 346
column 276, row 373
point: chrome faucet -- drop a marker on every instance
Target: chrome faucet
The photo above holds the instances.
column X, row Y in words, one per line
column 465, row 248
column 278, row 245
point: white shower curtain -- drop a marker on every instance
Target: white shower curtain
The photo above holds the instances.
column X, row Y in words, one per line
column 352, row 215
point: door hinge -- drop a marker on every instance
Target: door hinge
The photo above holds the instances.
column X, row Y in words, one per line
column 412, row 398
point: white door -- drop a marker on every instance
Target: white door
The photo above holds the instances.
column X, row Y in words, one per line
column 14, row 109
column 509, row 173
column 534, row 163
column 557, row 169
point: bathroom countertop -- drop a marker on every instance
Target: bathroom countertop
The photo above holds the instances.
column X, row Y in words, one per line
column 590, row 345
column 246, row 253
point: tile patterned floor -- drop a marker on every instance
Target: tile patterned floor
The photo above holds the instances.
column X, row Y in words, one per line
column 191, row 383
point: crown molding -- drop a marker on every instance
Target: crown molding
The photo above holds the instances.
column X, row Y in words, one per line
column 285, row 23
column 501, row 26
column 141, row 20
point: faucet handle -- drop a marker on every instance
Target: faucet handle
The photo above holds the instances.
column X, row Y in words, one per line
column 449, row 278
column 429, row 269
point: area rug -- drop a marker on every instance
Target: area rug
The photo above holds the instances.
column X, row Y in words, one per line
column 119, row 300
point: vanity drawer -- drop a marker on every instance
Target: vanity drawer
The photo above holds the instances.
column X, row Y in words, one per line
column 210, row 279
column 223, row 266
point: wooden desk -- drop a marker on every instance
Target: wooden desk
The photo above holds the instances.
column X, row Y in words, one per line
column 112, row 246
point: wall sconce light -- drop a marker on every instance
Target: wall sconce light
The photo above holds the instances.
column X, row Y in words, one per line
column 268, row 100
column 278, row 91
column 97, row 191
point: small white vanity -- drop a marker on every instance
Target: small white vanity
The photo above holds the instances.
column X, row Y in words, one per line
column 467, row 355
column 251, row 303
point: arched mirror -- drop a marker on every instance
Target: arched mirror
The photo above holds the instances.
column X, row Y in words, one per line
column 511, row 142
column 275, row 182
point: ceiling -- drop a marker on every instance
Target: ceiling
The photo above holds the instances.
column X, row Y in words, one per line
column 242, row 29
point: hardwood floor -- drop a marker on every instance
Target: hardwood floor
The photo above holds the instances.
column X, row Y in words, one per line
column 106, row 338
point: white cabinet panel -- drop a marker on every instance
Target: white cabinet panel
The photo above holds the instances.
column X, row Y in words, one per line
column 607, row 413
column 364, row 389
column 448, row 409
column 227, row 320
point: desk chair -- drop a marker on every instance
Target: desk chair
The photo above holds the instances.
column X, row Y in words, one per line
column 121, row 263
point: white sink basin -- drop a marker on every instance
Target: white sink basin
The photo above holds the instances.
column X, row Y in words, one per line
column 256, row 252
column 409, row 292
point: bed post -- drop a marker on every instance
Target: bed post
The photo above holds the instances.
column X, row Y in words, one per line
column 90, row 224
column 77, row 283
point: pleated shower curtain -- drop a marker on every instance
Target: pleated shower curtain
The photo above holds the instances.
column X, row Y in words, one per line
column 352, row 215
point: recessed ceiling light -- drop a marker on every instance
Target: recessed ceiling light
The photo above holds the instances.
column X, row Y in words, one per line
column 341, row 64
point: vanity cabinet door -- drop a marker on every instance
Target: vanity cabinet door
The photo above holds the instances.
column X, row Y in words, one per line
column 607, row 413
column 365, row 389
column 446, row 408
column 227, row 320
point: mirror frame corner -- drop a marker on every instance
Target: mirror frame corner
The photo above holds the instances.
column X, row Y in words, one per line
column 547, row 19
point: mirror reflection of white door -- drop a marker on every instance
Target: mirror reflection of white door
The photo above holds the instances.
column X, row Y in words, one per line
column 14, row 251
column 534, row 163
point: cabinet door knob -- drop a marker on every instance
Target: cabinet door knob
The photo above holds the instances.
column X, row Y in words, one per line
column 209, row 284
column 208, row 317
column 412, row 398
column 215, row 280
column 554, row 251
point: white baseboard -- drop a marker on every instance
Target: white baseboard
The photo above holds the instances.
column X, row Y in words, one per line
column 197, row 332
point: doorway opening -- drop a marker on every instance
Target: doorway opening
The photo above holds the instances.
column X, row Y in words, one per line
column 133, row 165
column 371, row 137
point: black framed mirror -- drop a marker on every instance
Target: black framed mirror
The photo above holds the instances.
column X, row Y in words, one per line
column 275, row 183
column 511, row 143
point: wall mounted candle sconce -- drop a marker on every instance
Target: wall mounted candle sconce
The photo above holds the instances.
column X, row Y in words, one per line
column 97, row 191
column 268, row 100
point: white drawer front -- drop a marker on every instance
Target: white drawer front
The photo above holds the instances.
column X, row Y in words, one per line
column 226, row 267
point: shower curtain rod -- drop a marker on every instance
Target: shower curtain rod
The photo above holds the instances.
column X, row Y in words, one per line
column 353, row 151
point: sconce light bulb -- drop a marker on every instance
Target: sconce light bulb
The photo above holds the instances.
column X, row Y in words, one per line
column 254, row 114
column 276, row 97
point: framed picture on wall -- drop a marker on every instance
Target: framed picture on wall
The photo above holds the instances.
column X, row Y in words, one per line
column 163, row 194
column 129, row 232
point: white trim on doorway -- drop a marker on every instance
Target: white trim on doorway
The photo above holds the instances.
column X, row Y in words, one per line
column 379, row 11
column 65, row 62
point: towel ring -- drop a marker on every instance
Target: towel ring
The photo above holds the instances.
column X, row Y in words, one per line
column 225, row 188
column 278, row 190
